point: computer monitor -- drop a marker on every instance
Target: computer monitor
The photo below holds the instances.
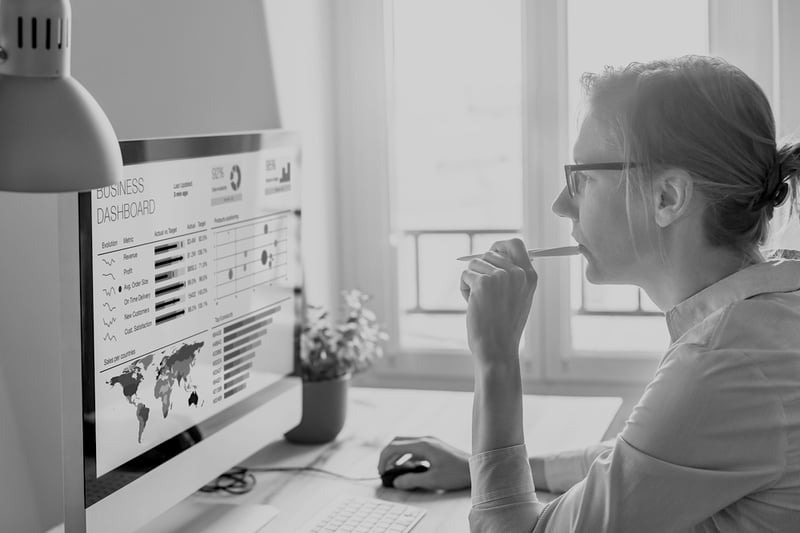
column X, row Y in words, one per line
column 180, row 298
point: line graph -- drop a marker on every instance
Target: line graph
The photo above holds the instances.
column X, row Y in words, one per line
column 108, row 306
column 251, row 255
column 110, row 291
column 108, row 337
column 107, row 262
column 109, row 324
column 109, row 274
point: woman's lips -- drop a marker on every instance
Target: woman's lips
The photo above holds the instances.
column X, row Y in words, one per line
column 581, row 248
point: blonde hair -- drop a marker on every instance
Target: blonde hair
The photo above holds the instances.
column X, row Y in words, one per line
column 709, row 118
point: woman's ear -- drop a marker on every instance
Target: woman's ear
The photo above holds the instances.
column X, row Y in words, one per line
column 673, row 189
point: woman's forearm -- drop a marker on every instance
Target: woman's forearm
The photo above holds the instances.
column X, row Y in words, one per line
column 503, row 497
column 497, row 407
column 491, row 431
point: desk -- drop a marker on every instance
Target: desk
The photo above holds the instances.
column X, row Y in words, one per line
column 375, row 416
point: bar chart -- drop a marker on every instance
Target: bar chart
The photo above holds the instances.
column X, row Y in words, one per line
column 180, row 274
column 235, row 344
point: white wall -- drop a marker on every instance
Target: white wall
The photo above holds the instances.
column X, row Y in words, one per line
column 18, row 511
column 178, row 67
column 158, row 69
column 29, row 366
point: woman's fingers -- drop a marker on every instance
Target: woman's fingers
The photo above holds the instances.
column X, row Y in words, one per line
column 502, row 262
column 498, row 260
column 515, row 250
column 481, row 265
column 468, row 280
column 396, row 449
column 492, row 262
column 449, row 469
column 423, row 480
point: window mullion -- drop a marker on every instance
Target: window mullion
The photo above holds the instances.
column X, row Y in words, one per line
column 544, row 147
column 367, row 256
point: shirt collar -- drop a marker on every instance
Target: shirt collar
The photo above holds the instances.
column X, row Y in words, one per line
column 776, row 275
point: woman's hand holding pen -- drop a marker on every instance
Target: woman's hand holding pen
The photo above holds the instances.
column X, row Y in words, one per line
column 498, row 288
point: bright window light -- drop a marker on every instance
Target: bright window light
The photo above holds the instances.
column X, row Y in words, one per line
column 457, row 152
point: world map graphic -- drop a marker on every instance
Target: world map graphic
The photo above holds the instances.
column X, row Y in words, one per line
column 170, row 376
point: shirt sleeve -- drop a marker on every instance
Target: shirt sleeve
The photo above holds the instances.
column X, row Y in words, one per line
column 706, row 433
column 564, row 469
column 503, row 494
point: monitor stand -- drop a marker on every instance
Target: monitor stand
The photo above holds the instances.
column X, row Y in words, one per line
column 204, row 517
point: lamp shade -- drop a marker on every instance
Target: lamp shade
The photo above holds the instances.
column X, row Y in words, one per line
column 54, row 137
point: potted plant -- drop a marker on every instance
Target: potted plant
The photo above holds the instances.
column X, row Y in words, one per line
column 330, row 354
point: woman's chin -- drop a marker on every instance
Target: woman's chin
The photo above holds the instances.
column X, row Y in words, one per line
column 592, row 276
column 591, row 273
column 595, row 273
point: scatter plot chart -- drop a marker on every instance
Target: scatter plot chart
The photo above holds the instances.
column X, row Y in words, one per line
column 251, row 254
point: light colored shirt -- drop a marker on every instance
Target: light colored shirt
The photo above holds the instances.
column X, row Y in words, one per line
column 712, row 446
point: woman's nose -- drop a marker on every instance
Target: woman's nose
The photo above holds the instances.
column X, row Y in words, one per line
column 565, row 206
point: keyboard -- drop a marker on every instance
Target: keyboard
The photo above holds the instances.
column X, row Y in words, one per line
column 353, row 514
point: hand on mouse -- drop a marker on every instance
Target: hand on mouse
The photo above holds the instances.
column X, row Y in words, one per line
column 449, row 466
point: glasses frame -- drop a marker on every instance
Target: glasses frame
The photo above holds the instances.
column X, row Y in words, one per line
column 614, row 165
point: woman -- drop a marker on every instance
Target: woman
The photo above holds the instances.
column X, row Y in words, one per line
column 678, row 177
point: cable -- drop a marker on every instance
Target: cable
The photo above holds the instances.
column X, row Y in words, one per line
column 237, row 480
column 240, row 480
column 311, row 469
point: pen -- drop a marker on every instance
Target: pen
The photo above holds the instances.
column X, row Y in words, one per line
column 538, row 252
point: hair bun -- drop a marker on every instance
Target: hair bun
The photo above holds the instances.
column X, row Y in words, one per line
column 781, row 194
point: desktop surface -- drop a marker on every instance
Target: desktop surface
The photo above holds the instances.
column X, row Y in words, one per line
column 375, row 416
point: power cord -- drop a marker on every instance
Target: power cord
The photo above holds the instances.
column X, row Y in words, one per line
column 240, row 480
column 236, row 481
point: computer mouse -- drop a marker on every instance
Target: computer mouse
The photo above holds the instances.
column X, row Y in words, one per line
column 406, row 464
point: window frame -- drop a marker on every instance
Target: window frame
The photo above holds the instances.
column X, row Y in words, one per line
column 363, row 137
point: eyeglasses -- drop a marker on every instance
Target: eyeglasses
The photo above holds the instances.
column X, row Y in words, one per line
column 576, row 179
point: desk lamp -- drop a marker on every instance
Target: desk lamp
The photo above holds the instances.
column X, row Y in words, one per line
column 54, row 137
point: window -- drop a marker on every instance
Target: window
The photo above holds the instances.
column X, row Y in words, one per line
column 456, row 121
column 443, row 107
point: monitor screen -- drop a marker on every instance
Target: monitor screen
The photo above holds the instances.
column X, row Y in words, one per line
column 189, row 300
